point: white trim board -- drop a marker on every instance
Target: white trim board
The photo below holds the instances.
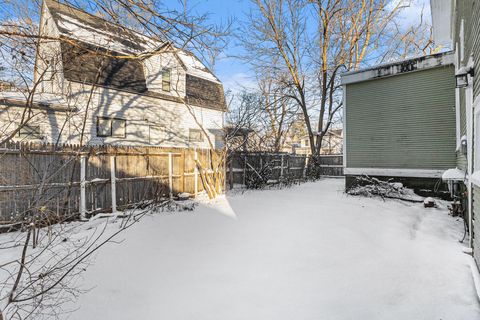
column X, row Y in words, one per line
column 389, row 172
column 344, row 132
column 399, row 67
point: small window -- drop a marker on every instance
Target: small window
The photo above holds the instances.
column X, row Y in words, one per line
column 166, row 75
column 118, row 128
column 195, row 135
column 30, row 131
column 111, row 127
column 104, row 127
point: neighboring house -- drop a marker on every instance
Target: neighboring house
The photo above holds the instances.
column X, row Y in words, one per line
column 399, row 120
column 238, row 139
column 457, row 24
column 113, row 85
column 7, row 86
column 416, row 121
column 331, row 144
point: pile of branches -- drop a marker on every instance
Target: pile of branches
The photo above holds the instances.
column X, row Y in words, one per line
column 172, row 206
column 259, row 178
column 372, row 187
column 264, row 176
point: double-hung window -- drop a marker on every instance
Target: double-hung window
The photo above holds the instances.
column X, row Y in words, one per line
column 111, row 127
column 166, row 79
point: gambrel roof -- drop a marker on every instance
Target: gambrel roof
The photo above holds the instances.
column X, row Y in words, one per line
column 102, row 45
column 82, row 26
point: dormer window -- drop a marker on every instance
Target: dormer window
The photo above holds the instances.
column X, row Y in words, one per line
column 166, row 76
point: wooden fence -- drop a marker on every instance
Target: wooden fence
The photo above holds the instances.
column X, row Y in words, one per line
column 283, row 166
column 331, row 165
column 70, row 179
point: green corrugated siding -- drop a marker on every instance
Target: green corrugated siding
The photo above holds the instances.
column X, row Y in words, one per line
column 475, row 229
column 463, row 116
column 474, row 39
column 469, row 11
column 403, row 121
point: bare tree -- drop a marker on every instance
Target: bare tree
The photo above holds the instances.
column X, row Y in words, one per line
column 266, row 113
column 315, row 41
column 279, row 111
column 43, row 261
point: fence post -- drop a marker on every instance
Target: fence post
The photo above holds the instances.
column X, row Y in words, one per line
column 305, row 162
column 195, row 170
column 281, row 167
column 182, row 168
column 170, row 175
column 113, row 184
column 245, row 169
column 230, row 173
column 83, row 200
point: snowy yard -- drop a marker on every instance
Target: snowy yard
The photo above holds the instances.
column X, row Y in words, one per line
column 308, row 252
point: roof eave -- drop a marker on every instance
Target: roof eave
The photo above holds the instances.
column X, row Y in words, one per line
column 399, row 67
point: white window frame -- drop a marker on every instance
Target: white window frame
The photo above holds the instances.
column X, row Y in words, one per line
column 462, row 41
column 476, row 134
column 167, row 84
column 202, row 137
column 457, row 103
column 31, row 135
column 111, row 121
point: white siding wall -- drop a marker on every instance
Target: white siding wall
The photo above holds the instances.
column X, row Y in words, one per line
column 49, row 66
column 52, row 124
column 170, row 121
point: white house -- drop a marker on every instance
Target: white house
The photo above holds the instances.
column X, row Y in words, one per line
column 101, row 83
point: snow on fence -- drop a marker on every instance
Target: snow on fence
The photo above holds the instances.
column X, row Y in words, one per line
column 282, row 166
column 68, row 179
column 331, row 165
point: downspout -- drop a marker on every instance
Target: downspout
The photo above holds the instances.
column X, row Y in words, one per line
column 470, row 140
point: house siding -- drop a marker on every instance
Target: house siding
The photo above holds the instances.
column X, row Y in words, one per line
column 474, row 39
column 469, row 13
column 476, row 210
column 171, row 120
column 141, row 112
column 403, row 121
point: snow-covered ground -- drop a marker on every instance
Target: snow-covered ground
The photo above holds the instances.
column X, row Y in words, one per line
column 308, row 252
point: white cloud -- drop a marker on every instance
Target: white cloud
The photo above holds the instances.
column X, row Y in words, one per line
column 412, row 11
column 238, row 82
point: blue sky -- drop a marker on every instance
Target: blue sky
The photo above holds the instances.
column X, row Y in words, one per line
column 234, row 73
column 231, row 71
